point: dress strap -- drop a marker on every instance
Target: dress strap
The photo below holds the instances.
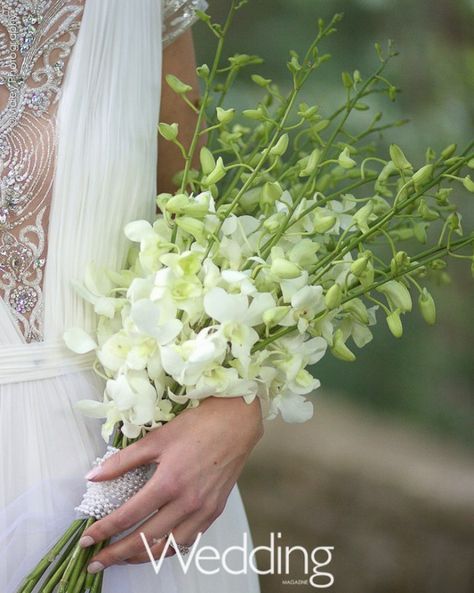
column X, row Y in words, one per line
column 40, row 360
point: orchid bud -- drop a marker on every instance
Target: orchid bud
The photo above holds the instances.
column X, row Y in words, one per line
column 192, row 226
column 284, row 269
column 311, row 164
column 427, row 307
column 454, row 221
column 399, row 159
column 448, row 151
column 361, row 217
column 275, row 221
column 270, row 194
column 273, row 316
column 225, row 115
column 397, row 294
column 203, row 71
column 345, row 160
column 207, row 159
column 322, row 224
column 399, row 261
column 422, row 175
column 257, row 114
column 357, row 309
column 177, row 204
column 304, row 253
column 263, row 82
column 395, row 324
column 339, row 348
column 359, row 266
column 281, row 146
column 333, row 297
column 217, row 173
column 177, row 85
column 321, row 125
column 162, row 199
column 468, row 183
column 168, row 131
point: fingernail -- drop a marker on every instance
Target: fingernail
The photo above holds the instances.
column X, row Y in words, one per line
column 86, row 541
column 95, row 567
column 93, row 473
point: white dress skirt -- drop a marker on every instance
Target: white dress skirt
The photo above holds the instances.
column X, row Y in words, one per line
column 104, row 176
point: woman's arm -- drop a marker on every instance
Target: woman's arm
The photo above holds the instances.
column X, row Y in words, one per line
column 179, row 59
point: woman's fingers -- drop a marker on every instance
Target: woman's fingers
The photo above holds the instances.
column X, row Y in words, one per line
column 186, row 533
column 157, row 492
column 157, row 526
column 140, row 453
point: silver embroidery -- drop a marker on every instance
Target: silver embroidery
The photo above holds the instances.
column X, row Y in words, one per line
column 36, row 37
column 179, row 15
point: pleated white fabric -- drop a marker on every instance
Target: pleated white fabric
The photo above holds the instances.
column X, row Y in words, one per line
column 105, row 176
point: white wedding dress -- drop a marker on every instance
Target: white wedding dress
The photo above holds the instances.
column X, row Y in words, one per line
column 80, row 85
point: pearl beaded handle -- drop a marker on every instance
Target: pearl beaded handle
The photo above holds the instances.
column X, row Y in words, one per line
column 102, row 498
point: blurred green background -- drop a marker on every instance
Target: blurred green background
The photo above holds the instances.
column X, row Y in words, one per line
column 427, row 377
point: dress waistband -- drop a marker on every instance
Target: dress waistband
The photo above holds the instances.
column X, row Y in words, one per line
column 40, row 360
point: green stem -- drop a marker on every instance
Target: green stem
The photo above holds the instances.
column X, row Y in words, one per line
column 76, row 527
column 76, row 557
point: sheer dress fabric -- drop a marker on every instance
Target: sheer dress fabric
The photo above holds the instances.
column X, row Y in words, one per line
column 78, row 150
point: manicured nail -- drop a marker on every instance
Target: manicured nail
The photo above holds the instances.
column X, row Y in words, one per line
column 86, row 541
column 95, row 567
column 93, row 473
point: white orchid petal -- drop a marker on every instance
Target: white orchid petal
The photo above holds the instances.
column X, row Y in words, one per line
column 78, row 340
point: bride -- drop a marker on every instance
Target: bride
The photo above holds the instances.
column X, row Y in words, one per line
column 80, row 91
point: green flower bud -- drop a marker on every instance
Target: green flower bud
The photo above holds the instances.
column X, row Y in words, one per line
column 468, row 183
column 333, row 297
column 263, row 82
column 422, row 175
column 162, row 200
column 361, row 217
column 320, row 125
column 177, row 204
column 397, row 295
column 207, row 159
column 347, row 80
column 274, row 222
column 257, row 114
column 304, row 253
column 312, row 163
column 399, row 159
column 203, row 71
column 281, row 146
column 359, row 266
column 225, row 115
column 307, row 112
column 442, row 195
column 345, row 160
column 454, row 221
column 399, row 262
column 395, row 324
column 419, row 230
column 427, row 307
column 357, row 309
column 470, row 164
column 273, row 316
column 427, row 213
column 192, row 226
column 217, row 173
column 322, row 224
column 339, row 348
column 448, row 151
column 177, row 85
column 270, row 194
column 168, row 131
column 284, row 269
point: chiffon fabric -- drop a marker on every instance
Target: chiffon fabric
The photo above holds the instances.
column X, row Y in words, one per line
column 105, row 176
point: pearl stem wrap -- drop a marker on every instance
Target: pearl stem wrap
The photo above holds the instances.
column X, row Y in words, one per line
column 102, row 498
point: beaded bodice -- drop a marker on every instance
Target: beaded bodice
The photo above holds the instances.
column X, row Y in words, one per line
column 36, row 37
column 36, row 40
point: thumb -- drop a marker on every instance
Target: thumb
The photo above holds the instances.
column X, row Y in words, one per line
column 124, row 460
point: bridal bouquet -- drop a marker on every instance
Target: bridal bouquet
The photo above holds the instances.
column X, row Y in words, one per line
column 292, row 237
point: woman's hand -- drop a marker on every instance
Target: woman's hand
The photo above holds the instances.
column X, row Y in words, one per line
column 200, row 455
